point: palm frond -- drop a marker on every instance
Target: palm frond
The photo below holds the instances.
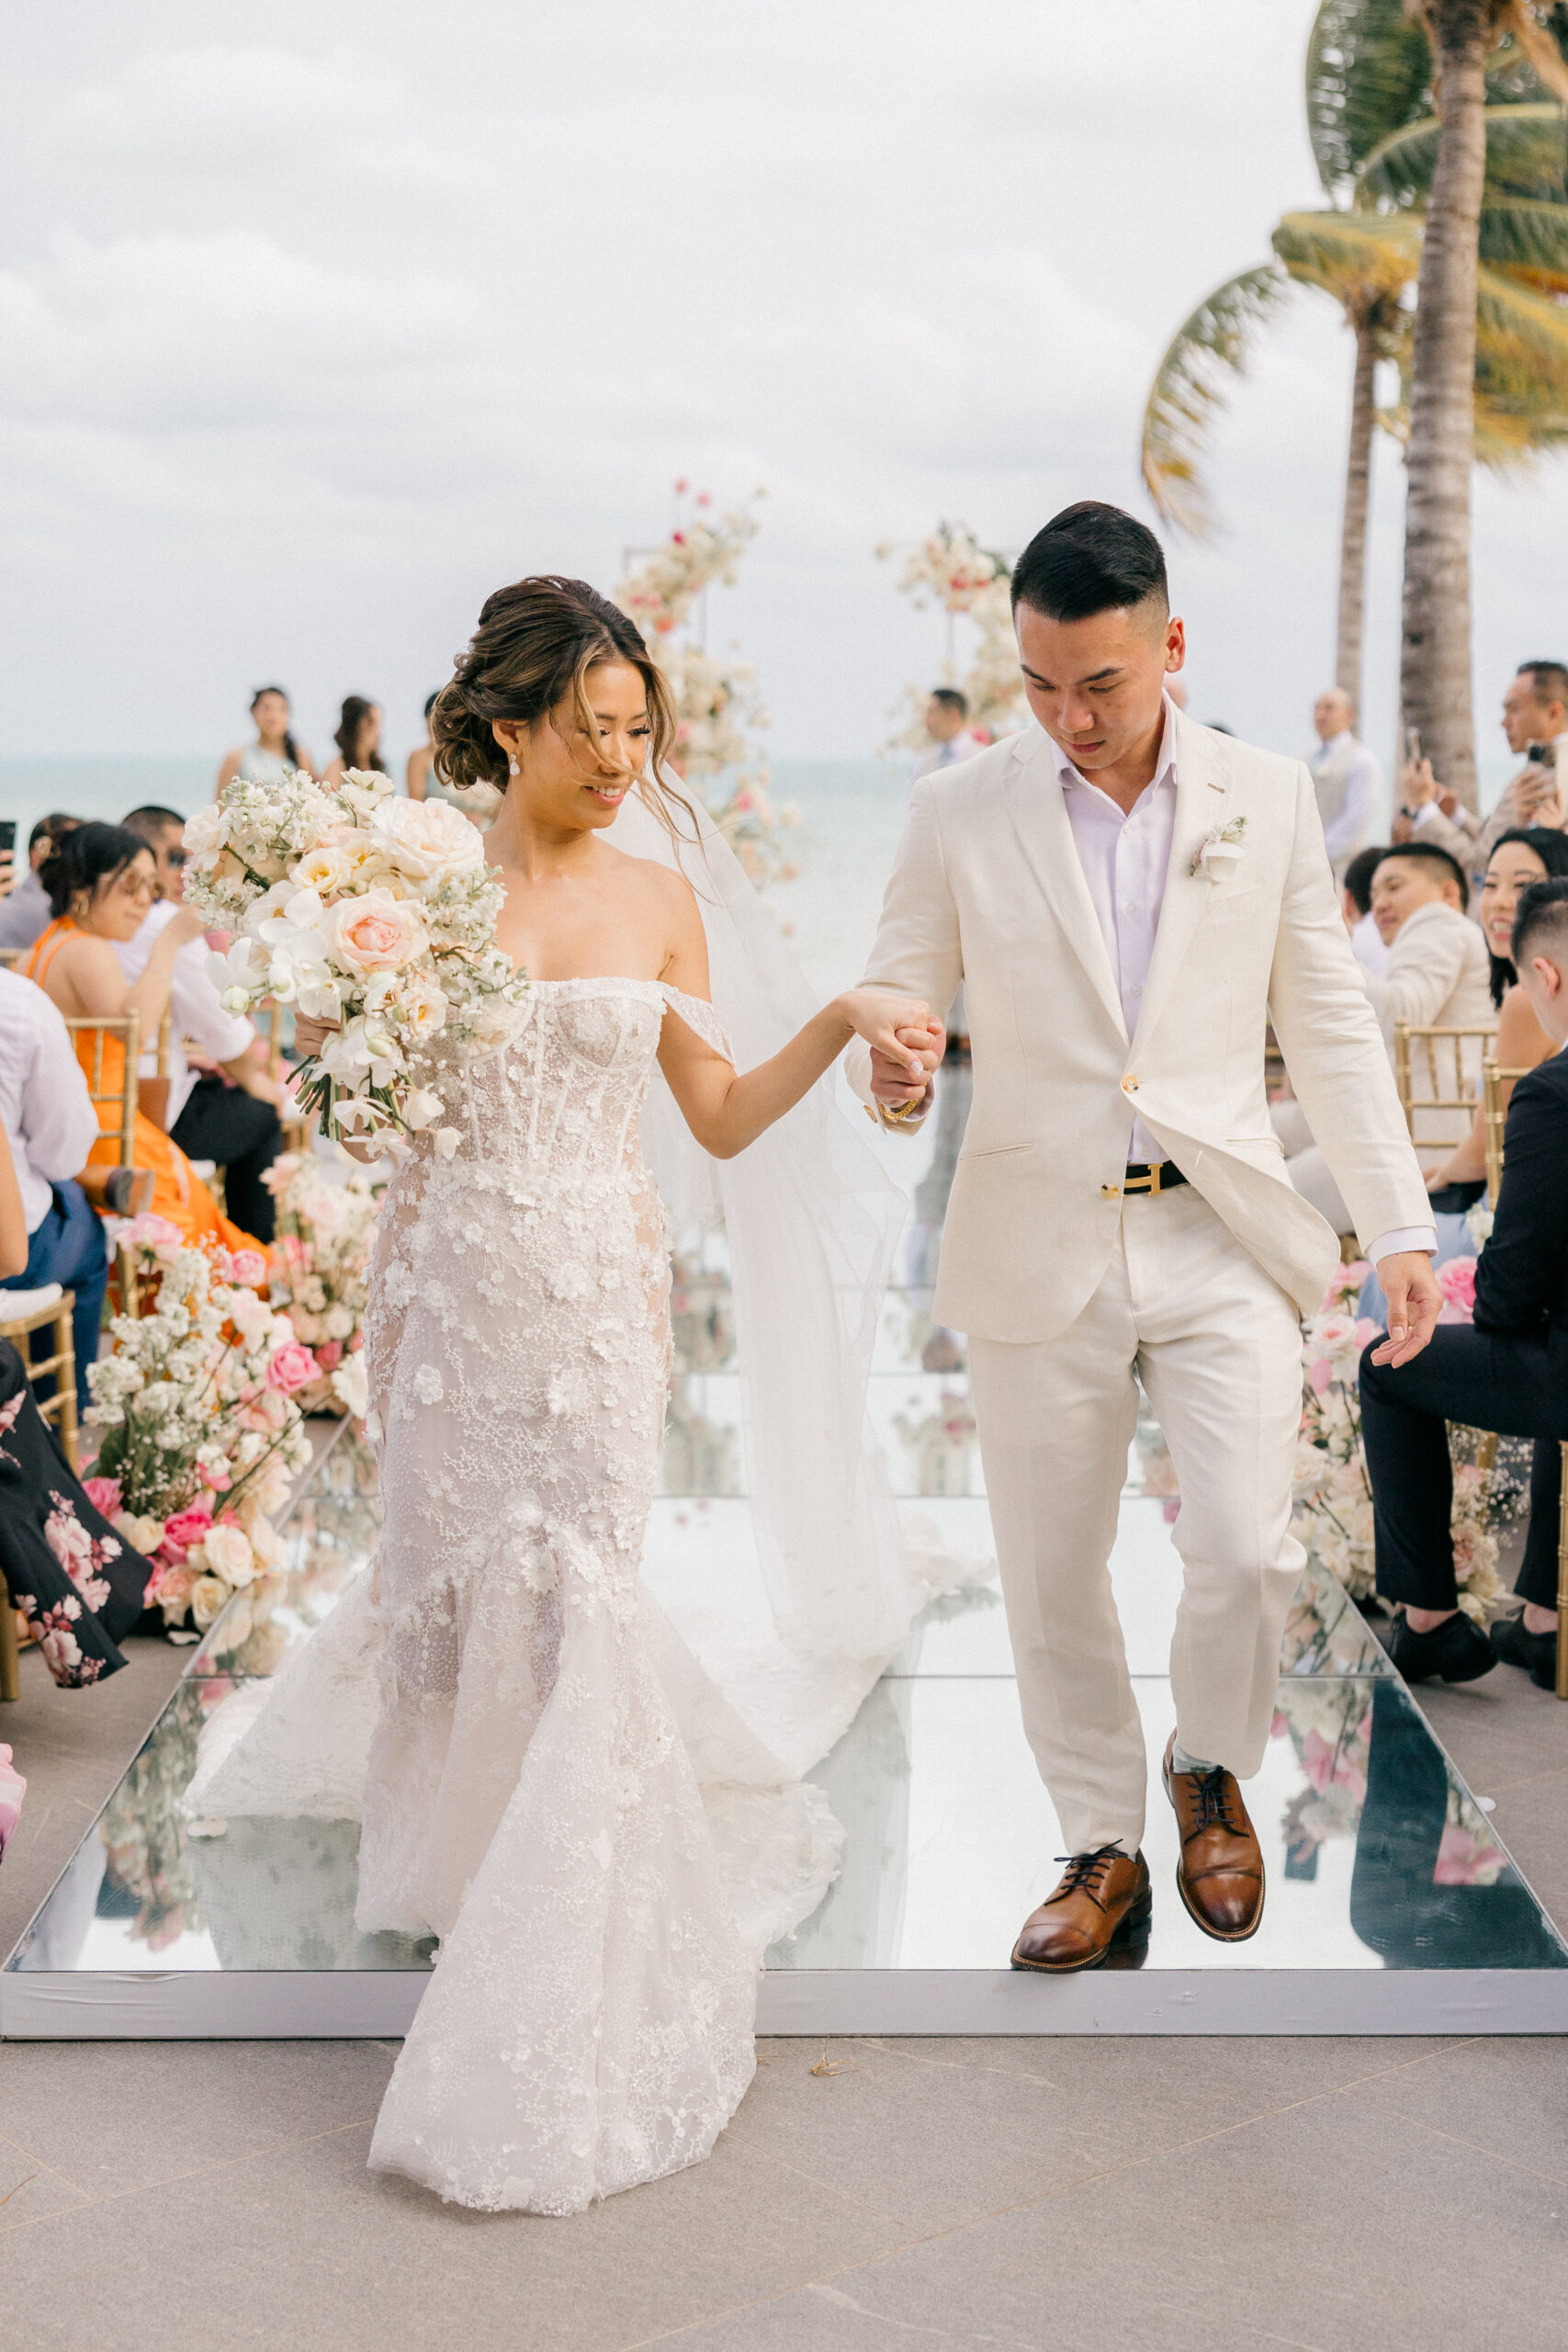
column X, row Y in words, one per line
column 1522, row 237
column 1369, row 70
column 1189, row 387
column 1537, row 36
column 1363, row 259
column 1521, row 342
column 1526, row 155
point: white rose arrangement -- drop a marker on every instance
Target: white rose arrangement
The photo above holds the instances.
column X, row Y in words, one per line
column 364, row 909
column 320, row 1270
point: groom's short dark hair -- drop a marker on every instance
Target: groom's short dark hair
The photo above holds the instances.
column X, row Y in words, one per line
column 1090, row 558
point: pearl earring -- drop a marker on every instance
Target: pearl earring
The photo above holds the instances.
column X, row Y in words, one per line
column 513, row 768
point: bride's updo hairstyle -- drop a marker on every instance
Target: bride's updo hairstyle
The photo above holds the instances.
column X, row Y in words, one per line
column 532, row 649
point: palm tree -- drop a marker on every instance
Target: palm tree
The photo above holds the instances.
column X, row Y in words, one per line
column 1435, row 655
column 1375, row 140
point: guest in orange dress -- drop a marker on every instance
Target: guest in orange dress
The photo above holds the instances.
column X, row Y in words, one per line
column 100, row 882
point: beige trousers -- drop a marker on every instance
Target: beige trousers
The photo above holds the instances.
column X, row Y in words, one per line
column 1218, row 1347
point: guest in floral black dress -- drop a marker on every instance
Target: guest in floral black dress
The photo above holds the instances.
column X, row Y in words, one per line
column 80, row 1584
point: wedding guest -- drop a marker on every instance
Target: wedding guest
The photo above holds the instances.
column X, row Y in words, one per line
column 1520, row 859
column 947, row 724
column 420, row 773
column 1355, row 905
column 24, row 911
column 101, row 886
column 1347, row 776
column 276, row 747
column 1507, row 1371
column 1437, row 978
column 50, row 1128
column 1535, row 710
column 227, row 1112
column 358, row 739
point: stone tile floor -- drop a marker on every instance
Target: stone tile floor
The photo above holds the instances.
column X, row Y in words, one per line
column 1164, row 2196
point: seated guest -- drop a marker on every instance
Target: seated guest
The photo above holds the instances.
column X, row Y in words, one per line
column 1508, row 1371
column 1520, row 859
column 24, row 911
column 228, row 1114
column 1356, row 905
column 100, row 883
column 1437, row 978
column 50, row 1127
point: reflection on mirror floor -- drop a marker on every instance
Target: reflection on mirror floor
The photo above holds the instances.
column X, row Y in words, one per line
column 1378, row 1857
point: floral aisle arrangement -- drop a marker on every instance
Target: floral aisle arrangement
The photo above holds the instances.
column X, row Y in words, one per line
column 321, row 1272
column 202, row 1428
column 950, row 569
column 718, row 708
column 367, row 910
column 1333, row 1495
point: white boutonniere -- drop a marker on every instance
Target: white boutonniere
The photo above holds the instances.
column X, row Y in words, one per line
column 1220, row 849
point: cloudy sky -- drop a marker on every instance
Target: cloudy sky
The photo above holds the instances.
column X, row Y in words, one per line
column 321, row 320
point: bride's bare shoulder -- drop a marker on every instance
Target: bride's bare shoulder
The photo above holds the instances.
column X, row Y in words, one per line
column 653, row 880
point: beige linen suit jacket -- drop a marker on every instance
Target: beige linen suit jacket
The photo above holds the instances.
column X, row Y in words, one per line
column 988, row 889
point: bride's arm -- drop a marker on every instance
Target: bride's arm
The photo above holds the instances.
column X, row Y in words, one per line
column 726, row 1111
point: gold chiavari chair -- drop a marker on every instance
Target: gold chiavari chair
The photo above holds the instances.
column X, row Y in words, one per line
column 268, row 1018
column 124, row 1098
column 11, row 957
column 1433, row 1068
column 1496, row 1117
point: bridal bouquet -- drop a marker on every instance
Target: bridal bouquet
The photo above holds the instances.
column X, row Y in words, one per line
column 364, row 909
column 202, row 1428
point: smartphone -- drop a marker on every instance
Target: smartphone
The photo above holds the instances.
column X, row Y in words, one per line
column 8, row 836
column 1413, row 744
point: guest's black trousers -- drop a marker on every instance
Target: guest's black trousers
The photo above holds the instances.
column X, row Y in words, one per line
column 1490, row 1380
column 242, row 1135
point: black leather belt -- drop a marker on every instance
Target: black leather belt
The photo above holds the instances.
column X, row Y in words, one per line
column 1142, row 1176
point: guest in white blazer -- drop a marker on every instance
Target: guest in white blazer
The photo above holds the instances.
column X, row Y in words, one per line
column 1129, row 898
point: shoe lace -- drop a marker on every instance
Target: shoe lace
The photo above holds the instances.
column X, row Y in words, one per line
column 1213, row 1802
column 1084, row 1869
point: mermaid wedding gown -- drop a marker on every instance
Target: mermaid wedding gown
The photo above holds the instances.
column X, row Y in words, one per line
column 603, row 1832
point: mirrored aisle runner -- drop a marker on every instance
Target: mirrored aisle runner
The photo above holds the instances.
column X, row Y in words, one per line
column 1392, row 1906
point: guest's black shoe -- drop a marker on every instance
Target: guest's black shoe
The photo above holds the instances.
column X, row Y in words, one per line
column 1514, row 1642
column 1457, row 1650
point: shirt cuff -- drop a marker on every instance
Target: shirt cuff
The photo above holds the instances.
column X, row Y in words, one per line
column 1404, row 1236
column 1423, row 816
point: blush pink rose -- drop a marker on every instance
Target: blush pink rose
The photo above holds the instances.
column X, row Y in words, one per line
column 1457, row 1282
column 248, row 1268
column 1320, row 1375
column 103, row 1494
column 290, row 1367
column 184, row 1529
column 375, row 932
column 329, row 1356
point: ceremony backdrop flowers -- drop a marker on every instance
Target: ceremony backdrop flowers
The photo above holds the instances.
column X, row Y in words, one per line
column 368, row 910
column 718, row 708
column 951, row 569
column 202, row 1427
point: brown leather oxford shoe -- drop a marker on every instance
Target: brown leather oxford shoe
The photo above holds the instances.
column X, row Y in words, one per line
column 1220, row 1874
column 1102, row 1899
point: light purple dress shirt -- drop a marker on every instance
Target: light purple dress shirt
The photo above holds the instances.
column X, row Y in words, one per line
column 1125, row 860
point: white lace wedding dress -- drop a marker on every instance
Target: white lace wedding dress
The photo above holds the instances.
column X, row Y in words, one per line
column 520, row 1730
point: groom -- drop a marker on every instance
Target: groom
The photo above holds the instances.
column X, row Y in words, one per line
column 1129, row 900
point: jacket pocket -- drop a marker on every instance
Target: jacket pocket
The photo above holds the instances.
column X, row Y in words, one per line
column 993, row 1151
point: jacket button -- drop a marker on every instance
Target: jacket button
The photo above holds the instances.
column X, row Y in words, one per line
column 1130, row 1084
column 1110, row 1191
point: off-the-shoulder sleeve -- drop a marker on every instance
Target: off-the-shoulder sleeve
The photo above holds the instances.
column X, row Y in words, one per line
column 699, row 1017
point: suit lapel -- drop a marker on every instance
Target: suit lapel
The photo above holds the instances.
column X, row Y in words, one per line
column 1202, row 803
column 1046, row 836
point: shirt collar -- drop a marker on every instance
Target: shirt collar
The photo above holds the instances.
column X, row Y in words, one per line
column 1164, row 761
column 1345, row 737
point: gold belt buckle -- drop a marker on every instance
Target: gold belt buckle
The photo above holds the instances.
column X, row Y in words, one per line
column 1146, row 1184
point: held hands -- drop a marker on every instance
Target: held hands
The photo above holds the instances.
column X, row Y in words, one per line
column 906, row 1042
column 1414, row 1304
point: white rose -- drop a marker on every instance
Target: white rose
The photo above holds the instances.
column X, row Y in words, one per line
column 323, row 870
column 375, row 932
column 207, row 831
column 208, row 1596
column 423, row 1001
column 229, row 1554
column 339, row 1322
column 349, row 1386
column 427, row 840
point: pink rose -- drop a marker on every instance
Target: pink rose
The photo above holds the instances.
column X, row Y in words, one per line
column 171, row 1581
column 150, row 1231
column 292, row 1367
column 1457, row 1282
column 1320, row 1375
column 184, row 1529
column 375, row 932
column 329, row 1355
column 248, row 1268
column 103, row 1494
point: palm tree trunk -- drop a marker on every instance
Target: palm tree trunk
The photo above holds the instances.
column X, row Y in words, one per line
column 1435, row 680
column 1353, row 530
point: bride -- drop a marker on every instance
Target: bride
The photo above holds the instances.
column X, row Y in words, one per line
column 530, row 1796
